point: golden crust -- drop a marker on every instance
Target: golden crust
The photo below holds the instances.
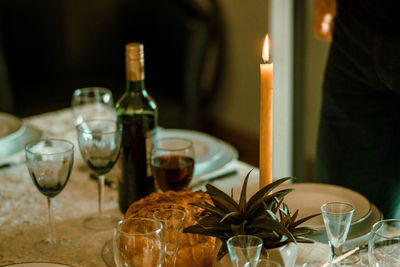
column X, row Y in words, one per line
column 194, row 250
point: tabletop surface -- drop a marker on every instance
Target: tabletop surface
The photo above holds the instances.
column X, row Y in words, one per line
column 23, row 209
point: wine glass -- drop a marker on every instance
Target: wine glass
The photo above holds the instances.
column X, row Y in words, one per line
column 173, row 221
column 384, row 244
column 337, row 219
column 49, row 163
column 137, row 242
column 100, row 142
column 91, row 103
column 172, row 163
column 244, row 249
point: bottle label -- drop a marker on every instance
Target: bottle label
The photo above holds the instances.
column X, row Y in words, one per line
column 151, row 136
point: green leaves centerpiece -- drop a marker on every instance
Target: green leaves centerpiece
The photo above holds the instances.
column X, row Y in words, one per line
column 265, row 215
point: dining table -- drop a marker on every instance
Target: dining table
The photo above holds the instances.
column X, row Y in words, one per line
column 23, row 209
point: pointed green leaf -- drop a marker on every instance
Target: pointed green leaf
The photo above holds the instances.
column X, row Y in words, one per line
column 223, row 204
column 209, row 208
column 213, row 191
column 234, row 217
column 242, row 200
column 266, row 190
column 302, row 220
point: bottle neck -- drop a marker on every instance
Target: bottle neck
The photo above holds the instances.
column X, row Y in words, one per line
column 135, row 86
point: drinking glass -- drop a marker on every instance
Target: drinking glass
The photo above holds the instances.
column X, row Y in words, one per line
column 244, row 249
column 172, row 163
column 337, row 218
column 173, row 221
column 49, row 163
column 137, row 243
column 100, row 142
column 384, row 244
column 265, row 263
column 91, row 103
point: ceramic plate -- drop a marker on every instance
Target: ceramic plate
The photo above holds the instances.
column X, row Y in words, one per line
column 38, row 264
column 309, row 197
column 10, row 125
column 210, row 153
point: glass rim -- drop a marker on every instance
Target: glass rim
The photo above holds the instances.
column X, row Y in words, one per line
column 101, row 89
column 379, row 224
column 156, row 231
column 189, row 143
column 246, row 236
column 182, row 212
column 29, row 145
column 80, row 129
column 337, row 202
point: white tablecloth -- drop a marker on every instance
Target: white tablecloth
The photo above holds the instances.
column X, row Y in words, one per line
column 23, row 209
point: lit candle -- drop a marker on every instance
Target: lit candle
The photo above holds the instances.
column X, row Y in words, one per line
column 266, row 97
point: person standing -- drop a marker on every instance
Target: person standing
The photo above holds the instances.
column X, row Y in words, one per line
column 358, row 143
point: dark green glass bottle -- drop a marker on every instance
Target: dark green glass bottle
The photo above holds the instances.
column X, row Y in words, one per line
column 137, row 113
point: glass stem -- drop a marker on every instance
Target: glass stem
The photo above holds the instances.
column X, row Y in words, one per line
column 101, row 179
column 170, row 260
column 52, row 236
column 335, row 252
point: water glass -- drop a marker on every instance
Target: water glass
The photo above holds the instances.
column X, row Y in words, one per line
column 173, row 221
column 137, row 243
column 244, row 249
column 384, row 244
column 264, row 263
column 337, row 218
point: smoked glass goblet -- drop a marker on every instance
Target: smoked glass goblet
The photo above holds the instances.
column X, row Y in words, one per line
column 100, row 142
column 384, row 244
column 337, row 219
column 244, row 249
column 172, row 163
column 91, row 103
column 173, row 221
column 138, row 243
column 49, row 163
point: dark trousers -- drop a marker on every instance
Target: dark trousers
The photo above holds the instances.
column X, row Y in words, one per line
column 359, row 132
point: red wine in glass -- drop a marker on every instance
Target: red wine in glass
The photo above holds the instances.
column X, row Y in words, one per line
column 172, row 172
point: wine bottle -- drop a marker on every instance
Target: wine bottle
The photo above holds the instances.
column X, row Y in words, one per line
column 137, row 113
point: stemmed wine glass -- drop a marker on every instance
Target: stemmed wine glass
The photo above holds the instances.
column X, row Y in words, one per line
column 91, row 103
column 244, row 249
column 337, row 219
column 137, row 242
column 49, row 162
column 173, row 221
column 100, row 142
column 172, row 163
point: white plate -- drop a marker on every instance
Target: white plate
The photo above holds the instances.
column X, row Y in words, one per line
column 210, row 153
column 9, row 126
column 309, row 197
column 38, row 264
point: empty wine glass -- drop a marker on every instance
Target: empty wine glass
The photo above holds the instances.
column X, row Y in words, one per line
column 337, row 219
column 91, row 103
column 244, row 249
column 137, row 242
column 384, row 244
column 173, row 221
column 49, row 164
column 172, row 163
column 99, row 142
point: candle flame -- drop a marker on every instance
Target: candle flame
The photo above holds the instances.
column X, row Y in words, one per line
column 265, row 52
